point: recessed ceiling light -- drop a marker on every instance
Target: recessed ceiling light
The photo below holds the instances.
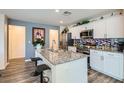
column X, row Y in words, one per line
column 61, row 22
column 57, row 10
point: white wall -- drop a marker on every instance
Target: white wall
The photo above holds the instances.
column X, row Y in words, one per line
column 3, row 41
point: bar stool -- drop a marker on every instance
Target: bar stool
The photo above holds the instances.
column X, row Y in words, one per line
column 35, row 59
column 40, row 69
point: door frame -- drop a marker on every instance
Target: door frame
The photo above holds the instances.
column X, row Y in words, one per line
column 49, row 37
column 8, row 35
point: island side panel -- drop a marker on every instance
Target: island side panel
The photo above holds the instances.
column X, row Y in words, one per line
column 49, row 73
column 71, row 72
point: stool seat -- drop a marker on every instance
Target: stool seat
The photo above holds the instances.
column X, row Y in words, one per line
column 42, row 67
column 36, row 59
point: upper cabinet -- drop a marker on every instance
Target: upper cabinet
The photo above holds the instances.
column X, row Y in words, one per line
column 100, row 29
column 112, row 27
column 76, row 30
column 115, row 27
column 87, row 26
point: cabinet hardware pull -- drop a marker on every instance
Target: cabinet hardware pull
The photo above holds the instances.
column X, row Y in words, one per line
column 111, row 54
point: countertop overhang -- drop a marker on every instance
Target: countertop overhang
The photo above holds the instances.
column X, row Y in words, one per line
column 61, row 56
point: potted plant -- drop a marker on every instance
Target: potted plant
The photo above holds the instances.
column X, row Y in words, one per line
column 38, row 43
column 65, row 30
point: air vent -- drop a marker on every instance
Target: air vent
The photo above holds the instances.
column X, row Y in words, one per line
column 67, row 13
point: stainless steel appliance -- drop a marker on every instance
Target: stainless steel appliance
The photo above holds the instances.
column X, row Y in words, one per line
column 86, row 33
column 121, row 46
column 86, row 50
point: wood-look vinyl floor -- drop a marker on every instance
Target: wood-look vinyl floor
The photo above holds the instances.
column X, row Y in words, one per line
column 97, row 77
column 20, row 72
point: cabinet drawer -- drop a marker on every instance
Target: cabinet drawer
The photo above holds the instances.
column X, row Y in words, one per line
column 114, row 54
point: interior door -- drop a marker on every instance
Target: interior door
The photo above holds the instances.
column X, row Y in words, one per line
column 53, row 39
column 16, row 41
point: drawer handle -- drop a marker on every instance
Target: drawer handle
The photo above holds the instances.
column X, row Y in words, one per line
column 111, row 54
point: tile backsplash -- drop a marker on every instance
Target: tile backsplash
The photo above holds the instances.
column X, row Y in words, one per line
column 100, row 42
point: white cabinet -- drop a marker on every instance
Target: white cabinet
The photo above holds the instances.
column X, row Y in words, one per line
column 75, row 32
column 115, row 27
column 112, row 27
column 96, row 60
column 113, row 64
column 100, row 29
column 88, row 26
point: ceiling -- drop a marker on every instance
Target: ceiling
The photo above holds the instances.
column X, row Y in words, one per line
column 49, row 16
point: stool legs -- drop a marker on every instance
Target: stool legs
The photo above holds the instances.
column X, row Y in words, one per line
column 41, row 77
column 35, row 63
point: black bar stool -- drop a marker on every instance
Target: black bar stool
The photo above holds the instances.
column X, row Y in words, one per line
column 40, row 70
column 35, row 59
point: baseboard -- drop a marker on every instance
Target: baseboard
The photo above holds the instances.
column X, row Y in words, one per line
column 4, row 67
column 27, row 60
column 6, row 64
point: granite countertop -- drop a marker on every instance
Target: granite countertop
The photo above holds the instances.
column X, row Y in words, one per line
column 60, row 56
column 108, row 50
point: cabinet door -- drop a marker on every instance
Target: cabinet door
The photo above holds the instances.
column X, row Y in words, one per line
column 96, row 60
column 75, row 33
column 72, row 30
column 113, row 64
column 100, row 29
column 90, row 25
column 115, row 27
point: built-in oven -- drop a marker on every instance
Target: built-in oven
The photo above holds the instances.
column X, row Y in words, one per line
column 86, row 33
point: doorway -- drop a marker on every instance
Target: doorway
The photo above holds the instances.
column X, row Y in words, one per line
column 53, row 39
column 16, row 48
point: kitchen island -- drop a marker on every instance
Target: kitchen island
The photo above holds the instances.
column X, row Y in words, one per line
column 66, row 66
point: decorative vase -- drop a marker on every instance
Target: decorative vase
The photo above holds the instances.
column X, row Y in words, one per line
column 38, row 46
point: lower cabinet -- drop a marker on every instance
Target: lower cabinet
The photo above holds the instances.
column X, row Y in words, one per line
column 96, row 60
column 111, row 64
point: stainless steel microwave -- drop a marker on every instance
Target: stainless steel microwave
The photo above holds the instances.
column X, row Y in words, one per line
column 87, row 33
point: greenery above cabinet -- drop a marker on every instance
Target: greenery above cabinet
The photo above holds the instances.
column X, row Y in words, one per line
column 82, row 22
column 65, row 30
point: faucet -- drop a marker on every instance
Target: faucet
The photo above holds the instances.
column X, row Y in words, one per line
column 53, row 42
